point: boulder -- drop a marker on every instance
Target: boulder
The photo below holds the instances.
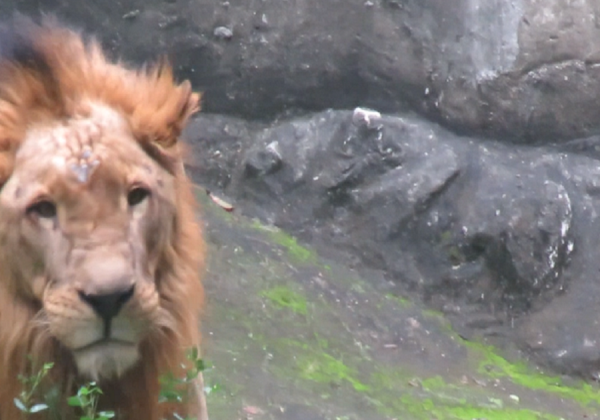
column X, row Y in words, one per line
column 501, row 238
column 524, row 71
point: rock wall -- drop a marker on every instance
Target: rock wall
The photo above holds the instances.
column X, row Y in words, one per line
column 519, row 70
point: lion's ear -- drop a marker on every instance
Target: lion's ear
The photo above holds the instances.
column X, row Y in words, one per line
column 183, row 105
column 164, row 148
column 190, row 103
column 159, row 110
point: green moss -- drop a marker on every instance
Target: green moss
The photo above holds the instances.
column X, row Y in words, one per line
column 491, row 364
column 314, row 364
column 388, row 392
column 277, row 341
column 403, row 302
column 433, row 383
column 325, row 368
column 317, row 361
column 297, row 252
column 495, row 366
column 433, row 314
column 470, row 413
column 285, row 297
column 435, row 398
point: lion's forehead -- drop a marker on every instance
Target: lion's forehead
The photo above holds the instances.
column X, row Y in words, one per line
column 77, row 146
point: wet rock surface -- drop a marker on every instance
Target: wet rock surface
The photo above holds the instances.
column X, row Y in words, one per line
column 501, row 239
column 520, row 70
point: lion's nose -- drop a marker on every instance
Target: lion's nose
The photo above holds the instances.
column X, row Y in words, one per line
column 106, row 283
column 107, row 306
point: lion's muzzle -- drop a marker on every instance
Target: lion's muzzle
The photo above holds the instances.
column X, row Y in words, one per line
column 107, row 283
column 113, row 315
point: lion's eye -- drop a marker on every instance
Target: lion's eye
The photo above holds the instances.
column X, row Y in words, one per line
column 136, row 196
column 44, row 209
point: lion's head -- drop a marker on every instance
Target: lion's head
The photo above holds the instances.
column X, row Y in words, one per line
column 99, row 248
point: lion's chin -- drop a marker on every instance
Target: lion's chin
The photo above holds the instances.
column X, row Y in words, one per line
column 106, row 360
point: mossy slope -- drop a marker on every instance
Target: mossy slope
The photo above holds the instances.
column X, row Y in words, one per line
column 291, row 336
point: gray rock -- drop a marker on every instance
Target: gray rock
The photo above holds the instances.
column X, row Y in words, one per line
column 503, row 239
column 521, row 70
column 223, row 32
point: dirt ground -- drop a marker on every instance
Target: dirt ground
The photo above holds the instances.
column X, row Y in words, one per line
column 290, row 335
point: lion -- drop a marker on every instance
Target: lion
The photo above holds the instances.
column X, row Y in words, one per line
column 101, row 253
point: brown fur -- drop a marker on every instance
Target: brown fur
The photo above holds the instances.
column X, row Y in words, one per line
column 156, row 109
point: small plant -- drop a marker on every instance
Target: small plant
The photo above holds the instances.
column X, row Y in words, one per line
column 174, row 389
column 87, row 399
column 25, row 401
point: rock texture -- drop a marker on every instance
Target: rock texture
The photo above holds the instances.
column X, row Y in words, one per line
column 520, row 70
column 503, row 235
column 502, row 239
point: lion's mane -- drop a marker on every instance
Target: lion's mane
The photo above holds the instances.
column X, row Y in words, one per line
column 45, row 72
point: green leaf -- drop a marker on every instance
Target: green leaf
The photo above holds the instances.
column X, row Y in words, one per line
column 169, row 396
column 20, row 405
column 74, row 401
column 193, row 353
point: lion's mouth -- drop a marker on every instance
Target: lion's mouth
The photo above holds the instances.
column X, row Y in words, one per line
column 106, row 358
column 104, row 343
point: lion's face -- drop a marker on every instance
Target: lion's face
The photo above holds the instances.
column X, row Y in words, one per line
column 90, row 214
